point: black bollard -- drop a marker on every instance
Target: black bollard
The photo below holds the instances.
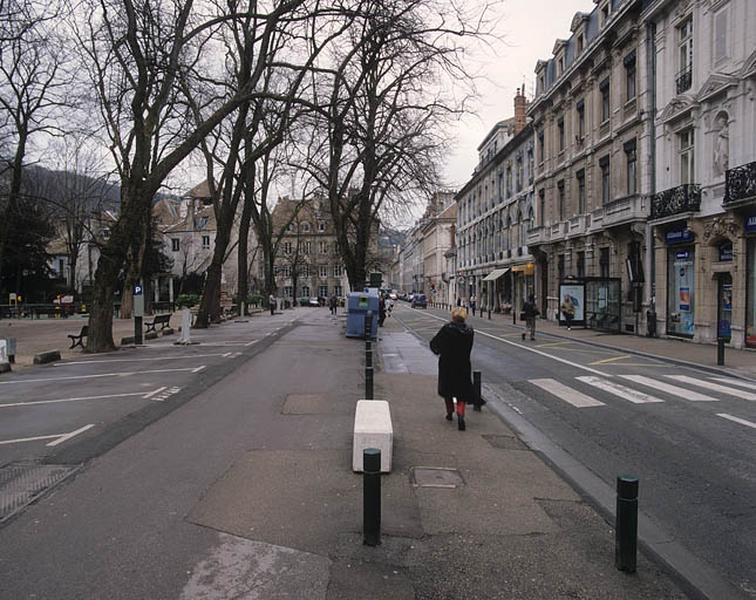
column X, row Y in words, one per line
column 371, row 496
column 368, row 346
column 369, row 325
column 720, row 351
column 626, row 527
column 489, row 313
column 368, row 383
column 368, row 357
column 477, row 386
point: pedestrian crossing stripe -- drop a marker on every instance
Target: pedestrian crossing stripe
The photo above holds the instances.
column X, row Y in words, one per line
column 722, row 389
column 670, row 389
column 619, row 390
column 566, row 393
column 739, row 382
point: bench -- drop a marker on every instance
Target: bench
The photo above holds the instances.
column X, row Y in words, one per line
column 162, row 320
column 372, row 429
column 76, row 339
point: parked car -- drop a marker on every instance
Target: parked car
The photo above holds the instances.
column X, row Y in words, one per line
column 393, row 296
column 313, row 302
column 419, row 301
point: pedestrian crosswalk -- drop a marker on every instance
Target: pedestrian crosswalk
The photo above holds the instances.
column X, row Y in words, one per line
column 635, row 389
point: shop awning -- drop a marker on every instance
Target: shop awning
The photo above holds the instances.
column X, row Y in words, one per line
column 495, row 274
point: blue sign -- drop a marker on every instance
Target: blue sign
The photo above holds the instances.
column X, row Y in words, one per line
column 679, row 236
column 750, row 224
column 725, row 252
column 138, row 290
column 682, row 255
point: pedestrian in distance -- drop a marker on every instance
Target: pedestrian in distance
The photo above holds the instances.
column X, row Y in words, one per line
column 381, row 311
column 568, row 310
column 459, row 301
column 472, row 304
column 272, row 304
column 332, row 303
column 453, row 344
column 529, row 314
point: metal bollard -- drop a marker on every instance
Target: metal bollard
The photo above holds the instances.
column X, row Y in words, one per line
column 626, row 526
column 368, row 357
column 371, row 496
column 369, row 325
column 720, row 351
column 477, row 387
column 489, row 313
column 368, row 383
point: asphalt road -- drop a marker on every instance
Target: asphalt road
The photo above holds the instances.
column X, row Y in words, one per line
column 688, row 435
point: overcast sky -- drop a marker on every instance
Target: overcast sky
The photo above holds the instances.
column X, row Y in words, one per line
column 530, row 28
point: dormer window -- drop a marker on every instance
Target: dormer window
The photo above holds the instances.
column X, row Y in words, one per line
column 604, row 12
column 560, row 65
column 580, row 43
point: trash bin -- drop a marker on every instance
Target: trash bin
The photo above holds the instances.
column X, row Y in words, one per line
column 358, row 304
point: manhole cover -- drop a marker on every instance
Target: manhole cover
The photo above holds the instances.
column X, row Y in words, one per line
column 21, row 484
column 436, row 477
column 505, row 442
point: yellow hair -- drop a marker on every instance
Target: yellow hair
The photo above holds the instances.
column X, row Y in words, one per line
column 458, row 314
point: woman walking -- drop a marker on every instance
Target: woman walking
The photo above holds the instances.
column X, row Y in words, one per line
column 453, row 344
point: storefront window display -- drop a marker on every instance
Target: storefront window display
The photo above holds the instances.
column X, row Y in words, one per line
column 681, row 291
column 751, row 294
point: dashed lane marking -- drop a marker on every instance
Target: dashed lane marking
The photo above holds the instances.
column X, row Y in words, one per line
column 737, row 420
column 115, row 360
column 99, row 375
column 722, row 389
column 58, row 438
column 611, row 359
column 76, row 399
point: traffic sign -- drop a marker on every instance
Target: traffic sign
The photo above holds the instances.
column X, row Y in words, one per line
column 138, row 290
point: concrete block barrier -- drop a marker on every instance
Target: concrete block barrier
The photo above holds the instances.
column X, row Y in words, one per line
column 46, row 357
column 372, row 429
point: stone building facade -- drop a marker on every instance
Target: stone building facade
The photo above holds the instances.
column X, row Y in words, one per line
column 592, row 178
column 495, row 213
column 704, row 210
column 436, row 231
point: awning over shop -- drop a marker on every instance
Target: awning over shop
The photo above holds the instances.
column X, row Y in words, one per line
column 495, row 274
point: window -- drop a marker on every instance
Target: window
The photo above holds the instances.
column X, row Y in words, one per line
column 305, row 227
column 541, row 140
column 720, row 50
column 323, row 291
column 542, row 206
column 631, row 167
column 323, row 271
column 324, row 247
column 321, row 226
column 337, row 270
column 290, row 227
column 337, row 290
column 530, row 165
column 604, row 262
column 288, row 291
column 518, row 174
column 560, row 129
column 580, row 175
column 580, row 109
column 685, row 54
column 305, row 291
column 605, row 179
column 560, row 266
column 687, row 159
column 509, row 180
column 560, row 192
column 630, row 90
column 175, row 244
column 205, row 241
column 61, row 266
column 581, row 265
column 605, row 101
column 287, row 248
column 560, row 65
column 306, row 247
column 580, row 43
column 286, row 271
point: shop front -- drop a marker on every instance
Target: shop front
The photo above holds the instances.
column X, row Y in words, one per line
column 681, row 282
column 750, row 231
column 523, row 284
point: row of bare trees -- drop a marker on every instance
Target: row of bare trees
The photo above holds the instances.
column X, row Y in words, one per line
column 348, row 98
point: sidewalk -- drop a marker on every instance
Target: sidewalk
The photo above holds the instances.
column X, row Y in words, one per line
column 510, row 528
column 737, row 362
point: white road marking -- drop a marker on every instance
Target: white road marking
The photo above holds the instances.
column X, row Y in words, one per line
column 68, row 436
column 198, row 369
column 250, row 343
column 58, row 437
column 167, row 393
column 739, row 382
column 737, row 420
column 566, row 393
column 529, row 349
column 99, row 375
column 722, row 389
column 226, row 355
column 80, row 398
column 670, row 389
column 153, row 392
column 114, row 360
column 610, row 359
column 622, row 391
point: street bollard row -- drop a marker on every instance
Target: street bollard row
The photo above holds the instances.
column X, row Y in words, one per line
column 626, row 526
column 371, row 496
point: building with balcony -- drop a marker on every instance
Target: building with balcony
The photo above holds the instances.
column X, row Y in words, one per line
column 703, row 211
column 495, row 215
column 592, row 181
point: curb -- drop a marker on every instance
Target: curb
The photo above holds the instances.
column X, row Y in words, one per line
column 46, row 357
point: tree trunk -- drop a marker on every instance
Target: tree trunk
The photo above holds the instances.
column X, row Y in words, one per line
column 242, row 289
column 209, row 310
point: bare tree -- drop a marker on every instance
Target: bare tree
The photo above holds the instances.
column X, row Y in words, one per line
column 384, row 99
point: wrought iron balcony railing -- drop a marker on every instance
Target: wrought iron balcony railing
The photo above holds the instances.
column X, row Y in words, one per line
column 684, row 80
column 681, row 199
column 740, row 183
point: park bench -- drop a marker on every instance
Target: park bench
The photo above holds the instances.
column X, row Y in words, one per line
column 372, row 429
column 162, row 320
column 77, row 339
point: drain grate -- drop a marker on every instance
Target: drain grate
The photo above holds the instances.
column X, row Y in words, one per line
column 436, row 477
column 22, row 483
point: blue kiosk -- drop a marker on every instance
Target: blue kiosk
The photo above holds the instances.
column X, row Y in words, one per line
column 358, row 304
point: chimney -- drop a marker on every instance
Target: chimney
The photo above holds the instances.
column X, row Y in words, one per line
column 520, row 108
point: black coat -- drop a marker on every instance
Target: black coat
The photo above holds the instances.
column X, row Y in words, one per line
column 453, row 343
